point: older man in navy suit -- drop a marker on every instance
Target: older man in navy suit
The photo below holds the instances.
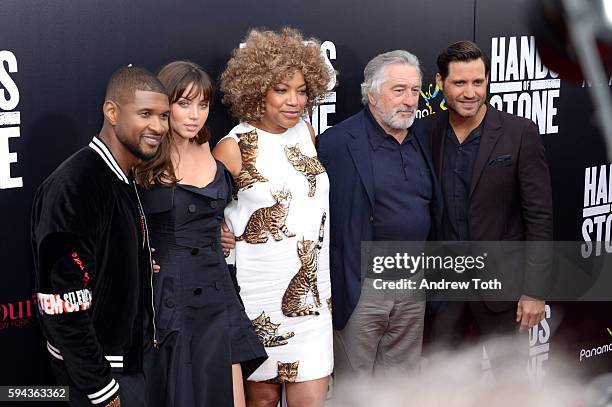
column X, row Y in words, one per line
column 382, row 188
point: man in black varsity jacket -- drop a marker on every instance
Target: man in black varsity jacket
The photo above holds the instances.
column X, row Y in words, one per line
column 91, row 251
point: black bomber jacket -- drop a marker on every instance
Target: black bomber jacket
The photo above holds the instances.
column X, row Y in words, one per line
column 93, row 271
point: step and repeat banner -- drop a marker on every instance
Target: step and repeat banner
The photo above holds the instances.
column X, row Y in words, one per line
column 56, row 57
column 522, row 85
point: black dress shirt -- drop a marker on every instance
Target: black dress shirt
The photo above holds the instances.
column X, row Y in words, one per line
column 457, row 168
column 402, row 186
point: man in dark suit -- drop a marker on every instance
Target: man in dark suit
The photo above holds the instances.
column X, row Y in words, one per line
column 496, row 186
column 382, row 188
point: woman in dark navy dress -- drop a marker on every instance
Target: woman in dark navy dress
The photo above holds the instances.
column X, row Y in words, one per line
column 205, row 342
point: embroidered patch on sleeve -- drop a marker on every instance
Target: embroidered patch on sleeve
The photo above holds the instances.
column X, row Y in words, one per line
column 72, row 301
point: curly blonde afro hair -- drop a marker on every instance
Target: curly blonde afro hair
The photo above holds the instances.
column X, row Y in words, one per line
column 267, row 59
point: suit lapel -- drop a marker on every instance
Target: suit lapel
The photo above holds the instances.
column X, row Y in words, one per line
column 491, row 132
column 424, row 147
column 360, row 153
column 437, row 141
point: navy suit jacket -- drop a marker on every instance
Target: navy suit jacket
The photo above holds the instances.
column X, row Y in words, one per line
column 345, row 152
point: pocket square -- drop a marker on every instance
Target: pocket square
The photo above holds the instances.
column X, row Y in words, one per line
column 505, row 159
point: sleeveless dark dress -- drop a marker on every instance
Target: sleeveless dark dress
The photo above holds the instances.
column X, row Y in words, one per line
column 200, row 323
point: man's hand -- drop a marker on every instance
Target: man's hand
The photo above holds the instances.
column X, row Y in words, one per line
column 529, row 312
column 228, row 240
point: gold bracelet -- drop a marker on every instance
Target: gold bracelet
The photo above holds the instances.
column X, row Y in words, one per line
column 112, row 401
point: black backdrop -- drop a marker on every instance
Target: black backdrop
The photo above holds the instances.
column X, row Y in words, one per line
column 66, row 50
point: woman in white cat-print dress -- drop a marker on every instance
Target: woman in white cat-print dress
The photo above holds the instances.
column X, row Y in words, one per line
column 282, row 203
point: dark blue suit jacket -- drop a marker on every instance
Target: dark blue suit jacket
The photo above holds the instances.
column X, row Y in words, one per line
column 345, row 153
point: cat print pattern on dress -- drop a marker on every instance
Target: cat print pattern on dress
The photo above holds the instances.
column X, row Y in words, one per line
column 286, row 372
column 247, row 142
column 268, row 220
column 267, row 331
column 305, row 280
column 310, row 167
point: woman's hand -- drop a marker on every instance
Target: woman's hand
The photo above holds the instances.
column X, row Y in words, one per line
column 228, row 240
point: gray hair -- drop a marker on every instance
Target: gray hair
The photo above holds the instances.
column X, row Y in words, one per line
column 373, row 74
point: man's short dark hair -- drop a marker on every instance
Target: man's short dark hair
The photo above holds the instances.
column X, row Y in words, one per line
column 461, row 51
column 124, row 83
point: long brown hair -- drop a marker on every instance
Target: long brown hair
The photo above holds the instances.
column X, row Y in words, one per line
column 177, row 77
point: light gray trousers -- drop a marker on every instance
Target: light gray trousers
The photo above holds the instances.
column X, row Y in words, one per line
column 384, row 335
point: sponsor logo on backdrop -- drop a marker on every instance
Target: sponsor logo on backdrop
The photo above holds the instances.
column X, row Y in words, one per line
column 18, row 313
column 539, row 348
column 432, row 97
column 595, row 351
column 319, row 118
column 520, row 84
column 597, row 219
column 10, row 119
